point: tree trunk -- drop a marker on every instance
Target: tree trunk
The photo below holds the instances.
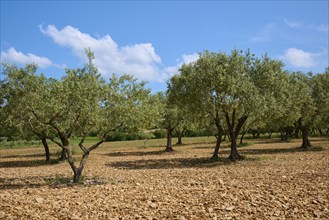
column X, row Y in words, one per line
column 320, row 132
column 179, row 136
column 65, row 143
column 218, row 143
column 63, row 156
column 282, row 134
column 224, row 138
column 241, row 138
column 45, row 145
column 219, row 137
column 234, row 131
column 169, row 141
column 77, row 175
column 78, row 171
column 269, row 134
column 234, row 155
column 286, row 135
column 306, row 143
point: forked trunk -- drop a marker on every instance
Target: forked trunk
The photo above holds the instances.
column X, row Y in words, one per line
column 45, row 145
column 169, row 141
column 77, row 171
column 179, row 141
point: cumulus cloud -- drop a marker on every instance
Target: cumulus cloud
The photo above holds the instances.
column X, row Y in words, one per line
column 18, row 57
column 300, row 58
column 139, row 60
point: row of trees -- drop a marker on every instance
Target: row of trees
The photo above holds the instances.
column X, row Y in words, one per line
column 237, row 92
column 227, row 93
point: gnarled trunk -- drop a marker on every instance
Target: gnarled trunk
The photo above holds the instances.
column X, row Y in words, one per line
column 77, row 171
column 219, row 137
column 234, row 131
column 218, row 143
column 45, row 145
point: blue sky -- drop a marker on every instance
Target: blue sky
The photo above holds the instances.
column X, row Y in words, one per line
column 151, row 39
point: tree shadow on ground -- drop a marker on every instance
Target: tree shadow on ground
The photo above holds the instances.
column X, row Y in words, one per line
column 19, row 183
column 136, row 153
column 26, row 163
column 170, row 163
column 256, row 151
column 51, row 181
column 24, row 156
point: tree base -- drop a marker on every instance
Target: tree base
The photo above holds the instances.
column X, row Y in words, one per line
column 235, row 157
column 214, row 158
column 306, row 146
column 170, row 149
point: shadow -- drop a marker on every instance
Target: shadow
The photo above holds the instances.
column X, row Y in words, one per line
column 27, row 163
column 278, row 150
column 136, row 153
column 24, row 156
column 211, row 147
column 169, row 163
column 16, row 183
column 53, row 182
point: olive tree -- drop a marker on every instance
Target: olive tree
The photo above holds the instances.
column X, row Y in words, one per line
column 23, row 90
column 80, row 103
column 228, row 88
column 320, row 94
column 169, row 117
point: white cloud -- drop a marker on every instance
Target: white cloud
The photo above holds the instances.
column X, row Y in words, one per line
column 301, row 58
column 185, row 59
column 18, row 57
column 189, row 58
column 307, row 27
column 139, row 60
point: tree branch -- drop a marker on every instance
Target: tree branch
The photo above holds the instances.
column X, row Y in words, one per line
column 93, row 147
column 70, row 130
column 56, row 142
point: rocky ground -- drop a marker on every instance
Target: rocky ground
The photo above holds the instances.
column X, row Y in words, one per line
column 276, row 181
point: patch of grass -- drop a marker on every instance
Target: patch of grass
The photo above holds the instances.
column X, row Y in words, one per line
column 63, row 180
column 58, row 180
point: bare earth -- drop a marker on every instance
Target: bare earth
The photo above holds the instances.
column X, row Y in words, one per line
column 276, row 181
